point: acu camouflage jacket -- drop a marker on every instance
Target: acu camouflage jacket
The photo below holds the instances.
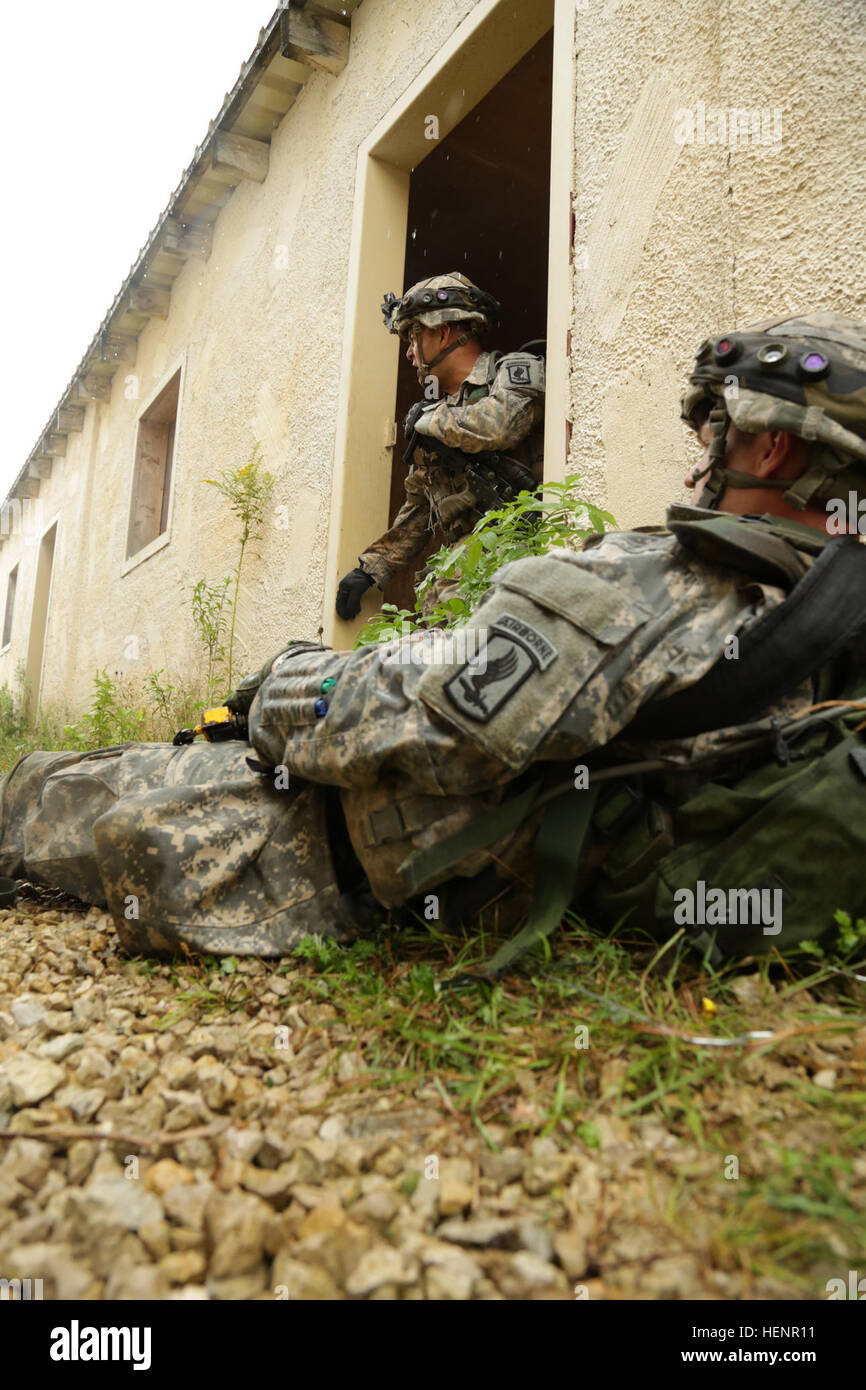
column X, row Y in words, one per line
column 574, row 645
column 499, row 407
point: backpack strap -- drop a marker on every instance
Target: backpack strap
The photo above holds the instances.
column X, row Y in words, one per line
column 434, row 862
column 558, row 845
column 479, row 392
column 823, row 617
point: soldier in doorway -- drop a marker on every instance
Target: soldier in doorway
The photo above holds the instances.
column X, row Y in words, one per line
column 474, row 446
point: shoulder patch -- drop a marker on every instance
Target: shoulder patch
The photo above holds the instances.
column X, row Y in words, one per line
column 523, row 373
column 513, row 650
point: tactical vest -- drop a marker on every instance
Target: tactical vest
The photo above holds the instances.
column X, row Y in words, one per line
column 762, row 846
column 529, row 453
column 469, row 485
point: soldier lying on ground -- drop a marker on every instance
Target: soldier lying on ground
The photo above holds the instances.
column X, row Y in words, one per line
column 473, row 448
column 662, row 676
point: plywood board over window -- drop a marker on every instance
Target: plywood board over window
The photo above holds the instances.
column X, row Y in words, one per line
column 151, row 486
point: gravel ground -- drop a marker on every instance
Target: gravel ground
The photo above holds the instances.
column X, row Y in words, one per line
column 218, row 1158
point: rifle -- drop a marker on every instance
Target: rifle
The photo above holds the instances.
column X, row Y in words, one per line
column 496, row 478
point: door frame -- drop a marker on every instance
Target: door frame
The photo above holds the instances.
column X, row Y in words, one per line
column 487, row 45
column 34, row 686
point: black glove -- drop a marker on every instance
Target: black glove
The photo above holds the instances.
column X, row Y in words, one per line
column 412, row 415
column 349, row 594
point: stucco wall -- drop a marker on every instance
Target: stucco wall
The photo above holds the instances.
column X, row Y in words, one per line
column 261, row 348
column 674, row 241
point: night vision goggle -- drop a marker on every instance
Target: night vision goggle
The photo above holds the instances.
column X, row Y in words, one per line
column 400, row 313
column 767, row 363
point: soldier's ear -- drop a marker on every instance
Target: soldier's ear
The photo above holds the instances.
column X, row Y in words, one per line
column 779, row 454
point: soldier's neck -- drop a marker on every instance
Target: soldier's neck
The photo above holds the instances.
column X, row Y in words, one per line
column 759, row 501
column 455, row 368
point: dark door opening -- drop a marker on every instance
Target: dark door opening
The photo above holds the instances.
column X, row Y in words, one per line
column 479, row 203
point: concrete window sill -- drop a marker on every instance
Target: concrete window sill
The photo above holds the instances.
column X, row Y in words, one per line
column 145, row 553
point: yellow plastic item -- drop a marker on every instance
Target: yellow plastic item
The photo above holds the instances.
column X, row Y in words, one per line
column 221, row 715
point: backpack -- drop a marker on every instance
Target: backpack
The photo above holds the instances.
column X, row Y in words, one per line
column 759, row 848
column 739, row 854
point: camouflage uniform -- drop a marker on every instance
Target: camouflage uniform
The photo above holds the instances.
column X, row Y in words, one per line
column 179, row 844
column 498, row 407
column 214, row 856
column 576, row 644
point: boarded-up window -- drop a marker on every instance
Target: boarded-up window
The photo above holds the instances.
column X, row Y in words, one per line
column 151, row 487
column 10, row 606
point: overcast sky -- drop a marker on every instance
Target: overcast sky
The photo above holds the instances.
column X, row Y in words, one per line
column 102, row 103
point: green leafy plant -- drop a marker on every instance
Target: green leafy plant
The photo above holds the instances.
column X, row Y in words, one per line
column 850, row 941
column 12, row 721
column 210, row 617
column 162, row 696
column 109, row 720
column 248, row 491
column 533, row 524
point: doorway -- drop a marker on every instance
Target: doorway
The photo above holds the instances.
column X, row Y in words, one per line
column 480, row 204
column 39, row 620
column 481, row 52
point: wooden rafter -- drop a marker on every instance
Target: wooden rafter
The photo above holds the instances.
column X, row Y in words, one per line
column 149, row 300
column 117, row 348
column 94, row 388
column 180, row 239
column 309, row 37
column 237, row 157
column 69, row 418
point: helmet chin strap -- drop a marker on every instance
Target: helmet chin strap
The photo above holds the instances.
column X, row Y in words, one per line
column 424, row 367
column 718, row 421
column 722, row 477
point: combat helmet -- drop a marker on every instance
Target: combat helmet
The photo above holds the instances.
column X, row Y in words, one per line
column 442, row 299
column 806, row 375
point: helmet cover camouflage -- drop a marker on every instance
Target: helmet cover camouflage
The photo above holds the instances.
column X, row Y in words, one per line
column 805, row 375
column 442, row 299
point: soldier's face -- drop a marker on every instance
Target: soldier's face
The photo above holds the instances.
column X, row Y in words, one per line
column 424, row 344
column 421, row 345
column 705, row 437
